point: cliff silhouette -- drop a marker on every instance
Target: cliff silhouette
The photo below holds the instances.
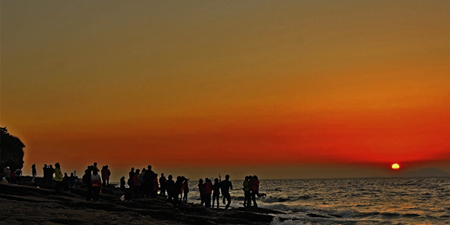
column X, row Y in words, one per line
column 11, row 150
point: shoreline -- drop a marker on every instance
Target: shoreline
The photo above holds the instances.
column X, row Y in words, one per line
column 27, row 203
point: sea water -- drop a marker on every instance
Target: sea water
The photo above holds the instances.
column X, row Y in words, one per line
column 351, row 201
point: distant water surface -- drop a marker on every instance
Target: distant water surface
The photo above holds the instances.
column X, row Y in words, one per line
column 352, row 201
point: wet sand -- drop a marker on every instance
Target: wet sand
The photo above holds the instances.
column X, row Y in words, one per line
column 28, row 204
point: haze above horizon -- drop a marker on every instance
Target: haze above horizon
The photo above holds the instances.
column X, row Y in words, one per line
column 290, row 89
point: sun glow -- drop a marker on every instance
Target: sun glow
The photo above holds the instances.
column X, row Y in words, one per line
column 395, row 166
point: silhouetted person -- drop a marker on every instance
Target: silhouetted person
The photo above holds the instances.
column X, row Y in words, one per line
column 87, row 181
column 225, row 187
column 255, row 189
column 149, row 176
column 33, row 173
column 155, row 185
column 130, row 180
column 216, row 192
column 176, row 190
column 65, row 182
column 96, row 185
column 131, row 173
column 51, row 171
column 201, row 190
column 95, row 167
column 106, row 173
column 247, row 195
column 58, row 178
column 71, row 181
column 208, row 192
column 169, row 185
column 45, row 174
column 122, row 184
column 185, row 189
column 142, row 185
column 162, row 184
column 136, row 184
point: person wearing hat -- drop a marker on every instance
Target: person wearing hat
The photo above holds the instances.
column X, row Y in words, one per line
column 7, row 174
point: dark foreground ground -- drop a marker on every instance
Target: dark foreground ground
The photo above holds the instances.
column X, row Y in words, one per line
column 27, row 204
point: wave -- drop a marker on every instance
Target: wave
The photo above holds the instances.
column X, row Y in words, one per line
column 275, row 199
column 272, row 199
column 311, row 212
column 410, row 215
column 345, row 200
column 280, row 207
column 354, row 214
column 389, row 214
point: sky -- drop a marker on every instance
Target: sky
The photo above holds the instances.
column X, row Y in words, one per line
column 281, row 89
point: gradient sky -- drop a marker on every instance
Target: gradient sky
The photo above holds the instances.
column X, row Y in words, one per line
column 282, row 89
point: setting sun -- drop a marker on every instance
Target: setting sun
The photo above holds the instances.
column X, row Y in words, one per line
column 395, row 166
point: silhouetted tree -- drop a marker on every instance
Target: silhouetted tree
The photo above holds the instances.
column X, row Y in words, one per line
column 11, row 150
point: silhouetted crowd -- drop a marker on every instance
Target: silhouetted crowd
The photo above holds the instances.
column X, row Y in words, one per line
column 251, row 190
column 94, row 182
column 142, row 184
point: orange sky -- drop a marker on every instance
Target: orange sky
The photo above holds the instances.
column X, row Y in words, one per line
column 302, row 89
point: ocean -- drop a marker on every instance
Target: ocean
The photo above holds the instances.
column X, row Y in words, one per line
column 351, row 201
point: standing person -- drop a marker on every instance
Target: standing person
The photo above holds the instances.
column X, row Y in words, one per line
column 96, row 185
column 216, row 192
column 95, row 167
column 176, row 190
column 225, row 187
column 142, row 183
column 45, row 174
column 169, row 186
column 185, row 189
column 122, row 184
column 181, row 189
column 255, row 190
column 130, row 181
column 51, row 171
column 131, row 173
column 58, row 178
column 149, row 177
column 208, row 192
column 247, row 198
column 155, row 185
column 65, row 182
column 33, row 172
column 106, row 173
column 71, row 181
column 136, row 184
column 87, row 181
column 162, row 184
column 201, row 190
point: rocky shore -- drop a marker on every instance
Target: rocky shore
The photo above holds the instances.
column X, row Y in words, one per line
column 30, row 204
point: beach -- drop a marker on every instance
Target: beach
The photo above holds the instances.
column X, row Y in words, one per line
column 31, row 204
